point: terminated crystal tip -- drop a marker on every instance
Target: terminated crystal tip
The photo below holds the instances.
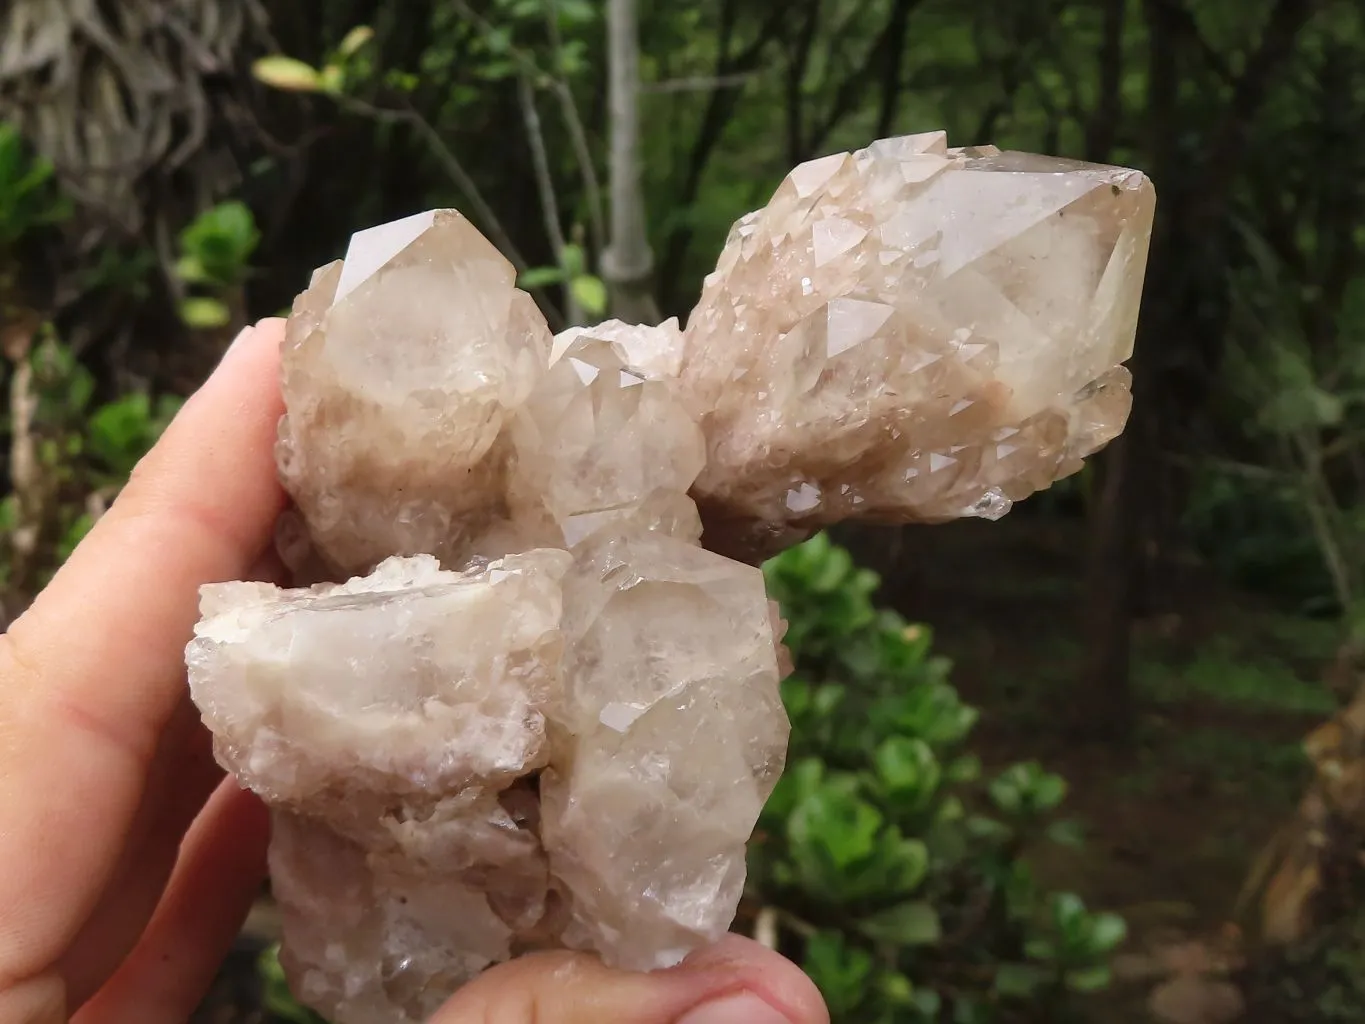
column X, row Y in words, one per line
column 538, row 713
column 915, row 333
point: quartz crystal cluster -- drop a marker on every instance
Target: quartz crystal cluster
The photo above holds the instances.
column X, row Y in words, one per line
column 913, row 333
column 521, row 699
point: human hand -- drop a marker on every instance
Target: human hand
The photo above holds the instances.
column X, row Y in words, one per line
column 127, row 862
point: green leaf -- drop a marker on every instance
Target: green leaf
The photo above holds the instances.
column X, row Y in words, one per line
column 287, row 73
column 332, row 80
column 1019, row 981
column 120, row 432
column 842, row 973
column 907, row 924
column 573, row 261
column 277, row 998
column 1048, row 792
column 1070, row 917
column 204, row 314
column 191, row 270
column 988, row 829
column 964, row 769
column 355, row 39
column 895, row 988
column 590, row 293
column 1107, row 932
column 1088, row 979
column 540, row 277
column 1066, row 833
column 908, row 772
column 216, row 246
column 80, row 389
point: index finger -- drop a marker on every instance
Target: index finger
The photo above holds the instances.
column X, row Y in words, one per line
column 91, row 673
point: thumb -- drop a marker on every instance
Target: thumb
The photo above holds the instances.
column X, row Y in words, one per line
column 737, row 981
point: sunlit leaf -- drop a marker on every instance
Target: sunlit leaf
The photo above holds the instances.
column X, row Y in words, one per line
column 590, row 293
column 540, row 277
column 203, row 313
column 288, row 73
column 332, row 80
column 355, row 39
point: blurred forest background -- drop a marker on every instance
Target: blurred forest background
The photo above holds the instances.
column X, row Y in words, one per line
column 1171, row 640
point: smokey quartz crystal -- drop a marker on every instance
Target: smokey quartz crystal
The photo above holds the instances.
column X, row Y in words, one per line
column 526, row 694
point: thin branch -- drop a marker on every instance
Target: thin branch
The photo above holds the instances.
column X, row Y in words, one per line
column 1108, row 112
column 1180, row 21
column 1249, row 91
column 578, row 136
column 798, row 62
column 549, row 202
column 719, row 109
column 1321, row 508
column 449, row 162
column 26, row 474
column 766, row 928
column 892, row 85
column 700, row 83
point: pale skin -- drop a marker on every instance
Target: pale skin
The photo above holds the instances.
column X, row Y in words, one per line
column 127, row 861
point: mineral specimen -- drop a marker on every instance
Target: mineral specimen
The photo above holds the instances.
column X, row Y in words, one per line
column 540, row 713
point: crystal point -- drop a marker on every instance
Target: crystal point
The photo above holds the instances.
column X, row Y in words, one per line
column 891, row 302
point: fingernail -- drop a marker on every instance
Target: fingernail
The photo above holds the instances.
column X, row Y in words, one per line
column 745, row 1008
column 242, row 335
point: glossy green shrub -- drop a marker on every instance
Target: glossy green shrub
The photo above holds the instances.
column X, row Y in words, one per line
column 894, row 870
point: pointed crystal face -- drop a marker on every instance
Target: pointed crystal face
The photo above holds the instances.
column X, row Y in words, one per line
column 402, row 366
column 600, row 443
column 900, row 306
column 673, row 735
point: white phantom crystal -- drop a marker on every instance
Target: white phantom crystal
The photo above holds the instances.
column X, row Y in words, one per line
column 539, row 713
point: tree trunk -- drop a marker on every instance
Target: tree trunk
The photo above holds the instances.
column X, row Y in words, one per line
column 628, row 262
column 1189, row 220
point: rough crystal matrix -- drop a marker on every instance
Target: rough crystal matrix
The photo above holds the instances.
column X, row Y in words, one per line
column 525, row 707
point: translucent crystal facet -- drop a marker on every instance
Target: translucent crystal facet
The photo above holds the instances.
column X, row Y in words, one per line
column 402, row 365
column 542, row 709
column 916, row 333
column 661, row 772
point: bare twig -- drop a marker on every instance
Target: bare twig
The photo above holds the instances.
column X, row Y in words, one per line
column 1321, row 507
column 700, row 83
column 766, row 928
column 449, row 162
column 549, row 203
column 26, row 476
column 578, row 136
column 527, row 66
